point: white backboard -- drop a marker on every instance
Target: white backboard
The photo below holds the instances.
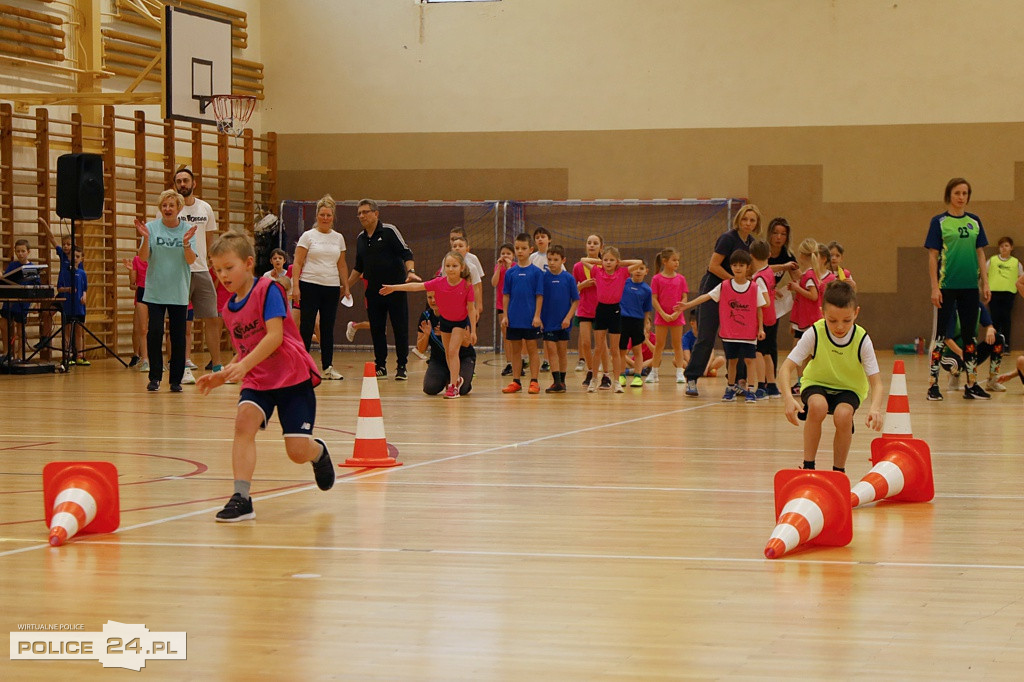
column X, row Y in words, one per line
column 197, row 63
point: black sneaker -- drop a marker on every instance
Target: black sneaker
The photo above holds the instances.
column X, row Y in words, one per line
column 606, row 383
column 209, row 366
column 153, row 386
column 934, row 394
column 545, row 366
column 976, row 392
column 176, row 388
column 323, row 470
column 590, row 377
column 400, row 374
column 382, row 372
column 134, row 360
column 238, row 508
column 507, row 372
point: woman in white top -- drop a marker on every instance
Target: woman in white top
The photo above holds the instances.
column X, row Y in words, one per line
column 322, row 276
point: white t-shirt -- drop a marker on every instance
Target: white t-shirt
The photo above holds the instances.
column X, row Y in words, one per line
column 805, row 346
column 201, row 215
column 539, row 259
column 323, row 249
column 476, row 271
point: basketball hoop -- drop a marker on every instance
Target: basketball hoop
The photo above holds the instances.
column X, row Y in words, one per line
column 232, row 112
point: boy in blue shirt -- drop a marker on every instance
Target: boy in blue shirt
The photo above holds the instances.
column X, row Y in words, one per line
column 21, row 270
column 561, row 297
column 74, row 307
column 522, row 298
column 634, row 307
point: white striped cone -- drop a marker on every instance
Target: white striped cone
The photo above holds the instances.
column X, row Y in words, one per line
column 812, row 507
column 80, row 497
column 902, row 472
column 897, row 409
column 371, row 446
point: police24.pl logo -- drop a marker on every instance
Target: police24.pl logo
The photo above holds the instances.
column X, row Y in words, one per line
column 120, row 645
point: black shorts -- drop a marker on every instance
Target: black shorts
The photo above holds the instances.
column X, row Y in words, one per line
column 296, row 407
column 608, row 318
column 522, row 334
column 557, row 335
column 735, row 350
column 833, row 397
column 584, row 319
column 139, row 293
column 13, row 316
column 447, row 325
column 632, row 331
column 769, row 345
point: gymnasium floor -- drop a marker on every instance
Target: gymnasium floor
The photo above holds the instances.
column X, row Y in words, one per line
column 573, row 537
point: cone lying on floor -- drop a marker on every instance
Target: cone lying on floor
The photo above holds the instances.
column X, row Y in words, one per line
column 902, row 472
column 813, row 508
column 371, row 446
column 80, row 497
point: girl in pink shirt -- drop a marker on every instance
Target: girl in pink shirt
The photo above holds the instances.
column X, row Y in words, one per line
column 609, row 280
column 668, row 288
column 589, row 353
column 456, row 305
column 806, row 292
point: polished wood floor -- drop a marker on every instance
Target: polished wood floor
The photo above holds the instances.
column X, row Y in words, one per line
column 572, row 537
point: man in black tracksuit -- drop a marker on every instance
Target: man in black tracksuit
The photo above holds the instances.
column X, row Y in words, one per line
column 383, row 257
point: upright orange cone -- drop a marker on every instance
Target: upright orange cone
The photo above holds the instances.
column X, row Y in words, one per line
column 371, row 446
column 80, row 497
column 902, row 472
column 897, row 409
column 812, row 507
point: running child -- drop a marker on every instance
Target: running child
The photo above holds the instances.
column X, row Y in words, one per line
column 522, row 299
column 667, row 289
column 561, row 298
column 591, row 356
column 609, row 280
column 636, row 308
column 456, row 304
column 274, row 368
column 741, row 325
column 767, row 347
column 841, row 370
column 506, row 256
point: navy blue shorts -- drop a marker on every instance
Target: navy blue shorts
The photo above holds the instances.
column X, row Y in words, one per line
column 557, row 335
column 739, row 351
column 521, row 334
column 296, row 407
column 447, row 325
column 139, row 293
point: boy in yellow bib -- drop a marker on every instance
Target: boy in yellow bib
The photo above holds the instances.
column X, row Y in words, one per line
column 841, row 370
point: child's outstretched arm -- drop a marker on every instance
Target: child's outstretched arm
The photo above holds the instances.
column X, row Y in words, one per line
column 875, row 416
column 408, row 286
column 683, row 306
column 793, row 408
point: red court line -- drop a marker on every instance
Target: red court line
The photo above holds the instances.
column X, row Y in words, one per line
column 28, row 445
column 206, row 499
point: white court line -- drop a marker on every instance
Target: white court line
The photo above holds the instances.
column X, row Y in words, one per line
column 559, row 555
column 407, row 467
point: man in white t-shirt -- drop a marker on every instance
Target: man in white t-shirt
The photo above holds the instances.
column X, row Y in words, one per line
column 202, row 293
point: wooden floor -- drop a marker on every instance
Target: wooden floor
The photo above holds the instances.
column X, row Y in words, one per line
column 573, row 537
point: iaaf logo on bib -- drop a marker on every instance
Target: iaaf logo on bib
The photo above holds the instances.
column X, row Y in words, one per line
column 120, row 645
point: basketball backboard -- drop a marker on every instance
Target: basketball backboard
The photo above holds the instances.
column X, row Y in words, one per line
column 197, row 63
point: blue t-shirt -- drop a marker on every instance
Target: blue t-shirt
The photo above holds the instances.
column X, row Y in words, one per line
column 28, row 275
column 522, row 286
column 73, row 301
column 636, row 299
column 168, row 276
column 64, row 276
column 689, row 338
column 273, row 306
column 559, row 293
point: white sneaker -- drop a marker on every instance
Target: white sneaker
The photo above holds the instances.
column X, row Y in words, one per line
column 417, row 353
column 581, row 365
column 187, row 377
column 652, row 378
column 619, row 388
column 329, row 373
column 144, row 366
column 190, row 365
column 680, row 377
column 993, row 385
column 350, row 331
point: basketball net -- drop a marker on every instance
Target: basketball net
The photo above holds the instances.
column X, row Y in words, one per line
column 232, row 112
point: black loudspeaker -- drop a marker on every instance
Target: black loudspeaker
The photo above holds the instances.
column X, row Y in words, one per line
column 80, row 186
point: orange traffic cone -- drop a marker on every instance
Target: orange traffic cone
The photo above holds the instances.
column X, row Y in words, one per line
column 902, row 472
column 80, row 497
column 371, row 446
column 897, row 409
column 812, row 507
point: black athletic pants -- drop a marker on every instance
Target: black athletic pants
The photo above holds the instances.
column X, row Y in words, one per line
column 380, row 308
column 313, row 299
column 964, row 303
column 176, row 315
